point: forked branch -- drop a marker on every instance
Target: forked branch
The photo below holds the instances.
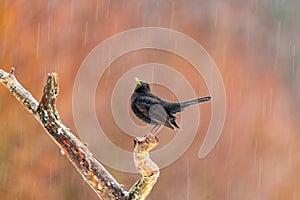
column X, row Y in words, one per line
column 98, row 178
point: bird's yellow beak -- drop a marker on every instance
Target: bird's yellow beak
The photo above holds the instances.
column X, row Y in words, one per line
column 138, row 80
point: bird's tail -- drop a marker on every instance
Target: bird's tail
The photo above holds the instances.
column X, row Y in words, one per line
column 195, row 101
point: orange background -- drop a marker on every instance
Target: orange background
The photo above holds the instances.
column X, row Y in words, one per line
column 254, row 43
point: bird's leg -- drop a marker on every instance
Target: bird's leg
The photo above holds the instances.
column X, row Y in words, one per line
column 155, row 129
column 158, row 129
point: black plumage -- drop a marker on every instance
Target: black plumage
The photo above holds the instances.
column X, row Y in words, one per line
column 154, row 110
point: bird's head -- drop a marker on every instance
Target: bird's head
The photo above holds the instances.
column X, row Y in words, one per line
column 142, row 86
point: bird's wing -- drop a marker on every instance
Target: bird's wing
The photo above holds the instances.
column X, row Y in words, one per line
column 151, row 108
column 158, row 114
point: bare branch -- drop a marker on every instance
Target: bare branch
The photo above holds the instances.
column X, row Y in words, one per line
column 146, row 167
column 98, row 178
column 10, row 81
column 89, row 168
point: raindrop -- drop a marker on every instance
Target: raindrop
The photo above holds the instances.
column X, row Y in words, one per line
column 139, row 9
column 97, row 10
column 230, row 144
column 107, row 81
column 293, row 58
column 49, row 29
column 50, row 176
column 248, row 22
column 109, row 53
column 85, row 33
column 228, row 189
column 256, row 6
column 255, row 152
column 71, row 11
column 295, row 192
column 290, row 154
column 4, row 177
column 152, row 73
column 172, row 14
column 5, row 11
column 5, row 29
column 4, row 42
column 271, row 101
column 277, row 44
column 259, row 179
column 216, row 14
column 188, row 179
column 264, row 107
column 169, row 195
column 277, row 4
column 107, row 8
column 38, row 40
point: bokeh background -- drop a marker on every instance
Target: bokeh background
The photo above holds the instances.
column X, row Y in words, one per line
column 255, row 45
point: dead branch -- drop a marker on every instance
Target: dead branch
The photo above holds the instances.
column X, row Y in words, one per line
column 98, row 178
column 146, row 167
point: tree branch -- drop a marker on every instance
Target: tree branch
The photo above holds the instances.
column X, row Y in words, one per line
column 146, row 167
column 98, row 178
column 23, row 96
column 89, row 168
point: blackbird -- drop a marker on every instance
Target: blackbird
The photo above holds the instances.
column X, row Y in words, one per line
column 156, row 111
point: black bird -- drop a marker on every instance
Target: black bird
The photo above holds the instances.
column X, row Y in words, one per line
column 156, row 111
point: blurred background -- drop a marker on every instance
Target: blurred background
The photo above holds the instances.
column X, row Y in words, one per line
column 255, row 45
